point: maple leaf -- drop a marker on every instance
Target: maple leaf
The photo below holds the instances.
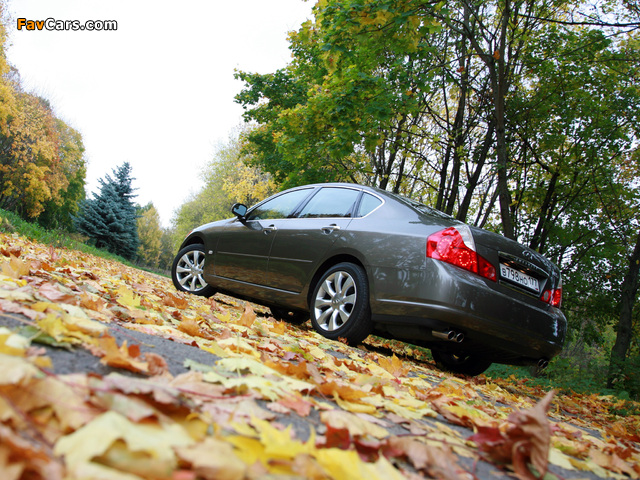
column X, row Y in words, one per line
column 394, row 366
column 171, row 300
column 438, row 462
column 117, row 441
column 248, row 316
column 14, row 267
column 50, row 292
column 127, row 298
column 20, row 458
column 121, row 357
column 356, row 425
column 525, row 441
column 213, row 459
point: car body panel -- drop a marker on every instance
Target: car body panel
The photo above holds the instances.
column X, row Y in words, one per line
column 297, row 250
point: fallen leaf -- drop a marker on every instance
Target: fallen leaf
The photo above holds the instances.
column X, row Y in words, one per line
column 525, row 441
column 248, row 317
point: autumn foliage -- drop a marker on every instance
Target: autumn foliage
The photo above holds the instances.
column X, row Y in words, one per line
column 273, row 399
column 42, row 169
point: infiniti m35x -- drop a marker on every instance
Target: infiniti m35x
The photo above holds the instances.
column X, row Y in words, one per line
column 358, row 260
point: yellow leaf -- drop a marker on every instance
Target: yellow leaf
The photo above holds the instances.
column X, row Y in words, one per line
column 250, row 450
column 12, row 343
column 15, row 370
column 127, row 298
column 279, row 444
column 356, row 425
column 354, row 407
column 95, row 438
column 14, row 267
column 213, row 458
column 346, row 465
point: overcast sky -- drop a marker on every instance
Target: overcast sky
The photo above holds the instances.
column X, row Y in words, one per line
column 157, row 92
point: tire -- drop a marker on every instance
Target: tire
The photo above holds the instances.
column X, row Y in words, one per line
column 296, row 317
column 339, row 306
column 187, row 271
column 471, row 365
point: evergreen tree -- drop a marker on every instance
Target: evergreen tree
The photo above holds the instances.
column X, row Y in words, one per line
column 110, row 219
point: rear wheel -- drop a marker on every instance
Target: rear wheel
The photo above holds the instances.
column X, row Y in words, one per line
column 466, row 364
column 340, row 304
column 187, row 271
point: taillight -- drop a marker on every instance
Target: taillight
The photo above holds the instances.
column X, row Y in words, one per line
column 455, row 245
column 553, row 296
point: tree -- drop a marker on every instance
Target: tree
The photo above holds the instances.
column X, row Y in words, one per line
column 59, row 212
column 42, row 167
column 228, row 178
column 109, row 219
column 150, row 235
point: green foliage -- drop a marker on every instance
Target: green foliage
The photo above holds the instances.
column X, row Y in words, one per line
column 150, row 236
column 110, row 219
column 228, row 178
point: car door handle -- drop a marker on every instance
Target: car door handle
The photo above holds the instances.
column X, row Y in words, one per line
column 330, row 229
column 269, row 229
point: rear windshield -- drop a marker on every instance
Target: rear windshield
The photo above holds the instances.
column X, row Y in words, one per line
column 421, row 207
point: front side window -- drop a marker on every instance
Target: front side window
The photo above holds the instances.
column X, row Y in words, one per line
column 330, row 202
column 281, row 206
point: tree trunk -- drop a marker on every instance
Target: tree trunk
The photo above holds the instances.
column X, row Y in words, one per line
column 629, row 294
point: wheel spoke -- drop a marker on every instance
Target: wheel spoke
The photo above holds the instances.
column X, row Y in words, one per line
column 350, row 299
column 184, row 280
column 333, row 323
column 322, row 318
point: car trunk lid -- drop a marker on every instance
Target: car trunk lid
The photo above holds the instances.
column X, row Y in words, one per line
column 518, row 267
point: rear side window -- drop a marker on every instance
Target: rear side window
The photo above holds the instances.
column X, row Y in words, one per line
column 281, row 206
column 368, row 204
column 330, row 202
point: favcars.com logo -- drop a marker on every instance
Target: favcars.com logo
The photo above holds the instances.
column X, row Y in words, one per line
column 60, row 25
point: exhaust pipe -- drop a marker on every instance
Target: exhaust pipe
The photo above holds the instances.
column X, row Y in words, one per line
column 543, row 363
column 449, row 335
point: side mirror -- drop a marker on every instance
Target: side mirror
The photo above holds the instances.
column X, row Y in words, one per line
column 239, row 210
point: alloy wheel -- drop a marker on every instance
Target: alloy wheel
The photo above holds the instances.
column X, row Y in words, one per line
column 189, row 271
column 335, row 300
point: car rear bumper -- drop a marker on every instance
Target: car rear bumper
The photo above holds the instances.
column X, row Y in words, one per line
column 493, row 318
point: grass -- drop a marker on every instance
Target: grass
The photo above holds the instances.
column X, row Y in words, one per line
column 12, row 223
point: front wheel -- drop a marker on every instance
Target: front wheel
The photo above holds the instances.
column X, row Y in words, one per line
column 340, row 304
column 187, row 271
column 460, row 363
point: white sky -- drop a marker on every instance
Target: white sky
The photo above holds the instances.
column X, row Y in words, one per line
column 159, row 91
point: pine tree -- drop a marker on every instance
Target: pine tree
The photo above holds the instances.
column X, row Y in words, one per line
column 110, row 219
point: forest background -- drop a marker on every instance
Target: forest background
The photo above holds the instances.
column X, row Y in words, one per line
column 520, row 117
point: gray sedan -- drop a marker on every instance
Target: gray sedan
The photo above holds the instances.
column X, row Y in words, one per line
column 358, row 260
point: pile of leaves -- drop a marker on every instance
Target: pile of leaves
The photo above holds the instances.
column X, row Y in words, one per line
column 274, row 400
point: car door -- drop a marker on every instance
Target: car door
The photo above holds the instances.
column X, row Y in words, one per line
column 243, row 248
column 302, row 242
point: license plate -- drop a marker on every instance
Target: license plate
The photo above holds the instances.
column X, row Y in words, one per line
column 516, row 276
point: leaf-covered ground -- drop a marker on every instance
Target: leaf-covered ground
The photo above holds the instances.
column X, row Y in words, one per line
column 252, row 397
